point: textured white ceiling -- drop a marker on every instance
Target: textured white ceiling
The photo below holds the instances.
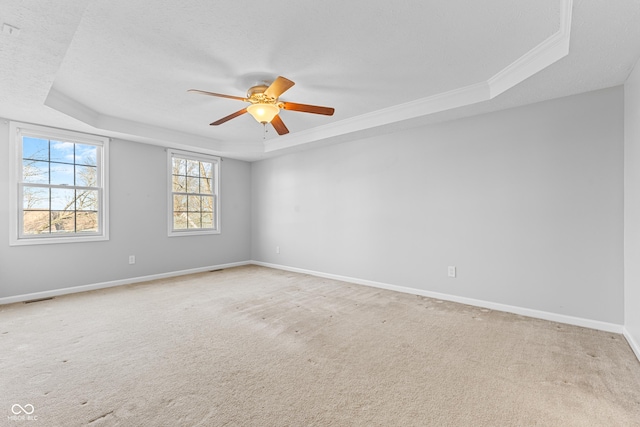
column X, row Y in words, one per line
column 31, row 59
column 122, row 68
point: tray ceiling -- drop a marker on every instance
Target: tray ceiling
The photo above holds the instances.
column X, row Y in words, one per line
column 122, row 68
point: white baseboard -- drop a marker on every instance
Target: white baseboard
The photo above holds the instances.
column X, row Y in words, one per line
column 92, row 287
column 554, row 317
column 632, row 343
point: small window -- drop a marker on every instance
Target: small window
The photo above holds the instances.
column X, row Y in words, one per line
column 58, row 186
column 193, row 193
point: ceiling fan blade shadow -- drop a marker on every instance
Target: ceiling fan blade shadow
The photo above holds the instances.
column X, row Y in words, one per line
column 278, row 87
column 219, row 95
column 305, row 108
column 279, row 126
column 229, row 117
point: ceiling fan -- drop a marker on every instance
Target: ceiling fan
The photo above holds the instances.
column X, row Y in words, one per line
column 265, row 105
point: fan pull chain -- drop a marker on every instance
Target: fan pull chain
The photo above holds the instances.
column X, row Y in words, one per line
column 264, row 136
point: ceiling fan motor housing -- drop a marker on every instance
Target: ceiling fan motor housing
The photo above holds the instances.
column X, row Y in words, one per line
column 256, row 94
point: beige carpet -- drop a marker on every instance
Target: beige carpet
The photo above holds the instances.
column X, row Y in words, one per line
column 252, row 346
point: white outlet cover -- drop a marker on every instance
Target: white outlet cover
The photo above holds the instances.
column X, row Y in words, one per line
column 452, row 271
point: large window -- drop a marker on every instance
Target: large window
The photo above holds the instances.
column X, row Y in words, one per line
column 193, row 193
column 58, row 186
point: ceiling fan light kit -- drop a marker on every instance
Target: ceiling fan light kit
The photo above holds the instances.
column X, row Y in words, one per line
column 265, row 107
column 263, row 113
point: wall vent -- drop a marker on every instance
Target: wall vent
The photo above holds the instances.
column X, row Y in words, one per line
column 38, row 300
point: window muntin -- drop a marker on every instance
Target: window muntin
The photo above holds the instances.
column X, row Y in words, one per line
column 193, row 198
column 60, row 186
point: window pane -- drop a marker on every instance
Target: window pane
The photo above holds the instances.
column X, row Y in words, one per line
column 193, row 168
column 62, row 199
column 35, row 222
column 63, row 221
column 194, row 220
column 86, row 155
column 35, row 198
column 35, row 172
column 207, row 220
column 206, row 204
column 179, row 220
column 61, row 152
column 87, row 200
column 179, row 202
column 179, row 183
column 61, row 174
column 87, row 221
column 179, row 166
column 206, row 170
column 205, row 185
column 193, row 185
column 86, row 176
column 35, row 148
column 193, row 202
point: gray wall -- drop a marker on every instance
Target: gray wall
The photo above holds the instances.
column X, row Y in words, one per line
column 526, row 202
column 138, row 224
column 632, row 207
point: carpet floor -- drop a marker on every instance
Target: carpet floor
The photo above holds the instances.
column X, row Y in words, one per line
column 252, row 346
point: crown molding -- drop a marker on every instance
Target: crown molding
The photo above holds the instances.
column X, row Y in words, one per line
column 540, row 57
column 142, row 132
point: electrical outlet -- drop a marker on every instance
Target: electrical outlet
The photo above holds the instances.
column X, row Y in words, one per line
column 132, row 259
column 451, row 271
column 277, row 249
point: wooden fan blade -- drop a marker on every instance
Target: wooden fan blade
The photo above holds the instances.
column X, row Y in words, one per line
column 315, row 109
column 278, row 87
column 219, row 95
column 229, row 117
column 279, row 126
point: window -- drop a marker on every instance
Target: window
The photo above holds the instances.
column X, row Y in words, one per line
column 193, row 193
column 58, row 186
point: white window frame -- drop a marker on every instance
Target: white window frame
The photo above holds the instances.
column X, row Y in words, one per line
column 16, row 235
column 216, row 161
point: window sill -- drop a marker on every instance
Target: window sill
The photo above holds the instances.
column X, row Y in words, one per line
column 193, row 233
column 56, row 240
